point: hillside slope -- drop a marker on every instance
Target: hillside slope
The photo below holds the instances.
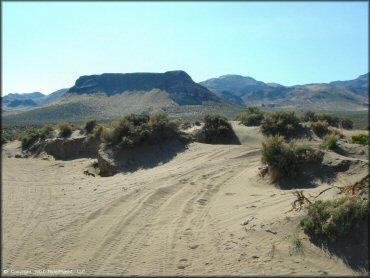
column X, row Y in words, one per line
column 340, row 95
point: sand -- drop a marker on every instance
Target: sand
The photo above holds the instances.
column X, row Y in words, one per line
column 205, row 212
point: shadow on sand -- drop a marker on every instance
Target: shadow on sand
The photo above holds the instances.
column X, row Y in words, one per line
column 310, row 175
column 354, row 251
column 149, row 156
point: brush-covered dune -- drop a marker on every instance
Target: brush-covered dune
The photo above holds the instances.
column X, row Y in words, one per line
column 207, row 211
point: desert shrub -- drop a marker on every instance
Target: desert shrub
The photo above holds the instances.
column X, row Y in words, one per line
column 362, row 139
column 29, row 138
column 307, row 154
column 251, row 117
column 335, row 219
column 308, row 116
column 215, row 130
column 65, row 129
column 185, row 125
column 97, row 131
column 47, row 131
column 346, row 123
column 330, row 142
column 320, row 128
column 284, row 123
column 197, row 123
column 330, row 119
column 134, row 130
column 279, row 157
column 89, row 126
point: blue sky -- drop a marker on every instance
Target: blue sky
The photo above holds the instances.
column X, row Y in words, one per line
column 47, row 46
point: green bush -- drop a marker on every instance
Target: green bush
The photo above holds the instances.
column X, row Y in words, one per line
column 335, row 219
column 362, row 139
column 89, row 126
column 280, row 157
column 283, row 123
column 65, row 129
column 330, row 142
column 215, row 130
column 134, row 130
column 320, row 128
column 251, row 117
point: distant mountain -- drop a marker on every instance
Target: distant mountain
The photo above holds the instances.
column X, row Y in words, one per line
column 359, row 85
column 111, row 95
column 14, row 96
column 15, row 101
column 339, row 95
column 178, row 84
column 233, row 87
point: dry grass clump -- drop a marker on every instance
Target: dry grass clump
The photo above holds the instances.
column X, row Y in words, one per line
column 137, row 129
column 284, row 123
column 330, row 142
column 253, row 116
column 215, row 130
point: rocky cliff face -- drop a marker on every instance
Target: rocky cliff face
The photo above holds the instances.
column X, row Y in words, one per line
column 178, row 84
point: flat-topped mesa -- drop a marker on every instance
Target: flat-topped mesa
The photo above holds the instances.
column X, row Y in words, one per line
column 178, row 84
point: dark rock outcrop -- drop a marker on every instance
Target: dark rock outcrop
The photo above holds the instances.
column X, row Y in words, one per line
column 181, row 88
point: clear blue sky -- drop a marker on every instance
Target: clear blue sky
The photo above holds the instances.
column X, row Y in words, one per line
column 47, row 46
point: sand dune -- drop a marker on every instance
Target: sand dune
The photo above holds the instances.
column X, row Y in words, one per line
column 205, row 212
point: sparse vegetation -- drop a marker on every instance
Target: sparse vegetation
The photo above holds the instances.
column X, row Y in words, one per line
column 215, row 130
column 330, row 142
column 284, row 123
column 32, row 136
column 65, row 129
column 253, row 116
column 335, row 219
column 330, row 120
column 362, row 139
column 134, row 130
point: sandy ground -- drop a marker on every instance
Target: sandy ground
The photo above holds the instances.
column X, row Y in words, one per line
column 205, row 212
